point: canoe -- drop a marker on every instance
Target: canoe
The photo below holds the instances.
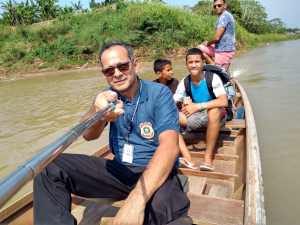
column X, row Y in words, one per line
column 232, row 194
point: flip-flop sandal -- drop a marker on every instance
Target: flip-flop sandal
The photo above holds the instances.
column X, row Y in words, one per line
column 206, row 167
column 185, row 163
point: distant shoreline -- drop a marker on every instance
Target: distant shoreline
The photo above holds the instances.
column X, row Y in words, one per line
column 28, row 73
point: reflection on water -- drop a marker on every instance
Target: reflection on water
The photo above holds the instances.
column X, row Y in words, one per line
column 35, row 112
column 255, row 78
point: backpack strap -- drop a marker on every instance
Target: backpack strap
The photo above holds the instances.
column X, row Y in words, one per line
column 187, row 85
column 209, row 77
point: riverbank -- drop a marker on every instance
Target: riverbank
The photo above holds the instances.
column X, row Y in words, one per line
column 32, row 71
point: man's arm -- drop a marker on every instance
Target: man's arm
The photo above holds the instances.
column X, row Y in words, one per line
column 156, row 173
column 218, row 34
column 101, row 101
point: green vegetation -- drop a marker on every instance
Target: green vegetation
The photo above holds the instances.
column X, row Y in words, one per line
column 75, row 39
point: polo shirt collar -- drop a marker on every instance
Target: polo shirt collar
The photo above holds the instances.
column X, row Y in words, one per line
column 144, row 94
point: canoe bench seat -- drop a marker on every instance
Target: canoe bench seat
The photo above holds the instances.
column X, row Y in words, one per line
column 203, row 209
column 235, row 123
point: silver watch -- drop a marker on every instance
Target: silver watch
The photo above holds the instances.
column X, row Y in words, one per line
column 203, row 106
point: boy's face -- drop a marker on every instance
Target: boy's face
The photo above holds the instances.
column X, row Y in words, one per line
column 166, row 73
column 195, row 64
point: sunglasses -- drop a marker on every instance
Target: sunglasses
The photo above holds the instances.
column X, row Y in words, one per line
column 122, row 67
column 219, row 5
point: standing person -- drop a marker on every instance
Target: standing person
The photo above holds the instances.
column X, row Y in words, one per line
column 204, row 111
column 164, row 71
column 143, row 137
column 222, row 44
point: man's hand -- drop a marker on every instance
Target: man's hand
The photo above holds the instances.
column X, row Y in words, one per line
column 132, row 212
column 205, row 42
column 190, row 109
column 103, row 99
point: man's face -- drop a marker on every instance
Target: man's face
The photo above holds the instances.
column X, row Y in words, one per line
column 221, row 9
column 195, row 64
column 120, row 81
column 166, row 73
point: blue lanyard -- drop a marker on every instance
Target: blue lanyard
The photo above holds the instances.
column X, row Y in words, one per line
column 130, row 125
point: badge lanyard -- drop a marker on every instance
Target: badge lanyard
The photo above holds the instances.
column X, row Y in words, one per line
column 130, row 125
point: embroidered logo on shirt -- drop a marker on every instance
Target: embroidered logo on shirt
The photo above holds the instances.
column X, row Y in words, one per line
column 147, row 130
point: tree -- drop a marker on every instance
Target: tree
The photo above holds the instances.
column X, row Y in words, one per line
column 47, row 9
column 77, row 7
column 204, row 7
column 11, row 12
column 276, row 24
column 254, row 17
column 19, row 13
column 234, row 7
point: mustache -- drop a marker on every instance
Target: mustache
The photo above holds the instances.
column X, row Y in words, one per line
column 119, row 78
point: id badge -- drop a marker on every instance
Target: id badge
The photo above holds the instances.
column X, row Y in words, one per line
column 128, row 150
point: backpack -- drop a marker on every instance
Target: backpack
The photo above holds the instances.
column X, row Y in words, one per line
column 225, row 77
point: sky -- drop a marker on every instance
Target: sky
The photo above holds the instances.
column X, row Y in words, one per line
column 286, row 10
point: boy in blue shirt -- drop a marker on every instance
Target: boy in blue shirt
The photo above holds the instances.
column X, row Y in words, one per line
column 204, row 111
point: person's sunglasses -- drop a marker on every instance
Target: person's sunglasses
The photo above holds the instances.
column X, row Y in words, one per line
column 122, row 67
column 219, row 5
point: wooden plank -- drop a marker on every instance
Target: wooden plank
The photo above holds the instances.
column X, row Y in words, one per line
column 219, row 149
column 218, row 191
column 254, row 203
column 211, row 210
column 223, row 131
column 219, row 142
column 221, row 166
column 214, row 175
column 224, row 183
column 196, row 185
column 239, row 123
column 215, row 156
column 239, row 192
column 13, row 208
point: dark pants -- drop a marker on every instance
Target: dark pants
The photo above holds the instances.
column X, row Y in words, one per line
column 95, row 177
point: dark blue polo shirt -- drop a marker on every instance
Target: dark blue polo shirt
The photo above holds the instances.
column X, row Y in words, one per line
column 156, row 113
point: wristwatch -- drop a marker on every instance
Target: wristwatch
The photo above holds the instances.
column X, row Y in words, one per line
column 203, row 106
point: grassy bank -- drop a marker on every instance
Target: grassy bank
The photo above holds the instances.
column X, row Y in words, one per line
column 154, row 30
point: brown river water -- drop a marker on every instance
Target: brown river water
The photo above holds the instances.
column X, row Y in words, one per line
column 34, row 112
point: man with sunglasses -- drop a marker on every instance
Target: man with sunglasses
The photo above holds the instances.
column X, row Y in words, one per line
column 222, row 45
column 143, row 137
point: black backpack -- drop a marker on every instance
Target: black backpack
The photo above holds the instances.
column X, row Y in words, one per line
column 225, row 77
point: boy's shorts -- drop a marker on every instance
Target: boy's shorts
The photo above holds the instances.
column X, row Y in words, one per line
column 197, row 120
column 220, row 57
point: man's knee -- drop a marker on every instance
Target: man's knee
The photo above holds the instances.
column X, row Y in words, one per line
column 214, row 115
column 167, row 204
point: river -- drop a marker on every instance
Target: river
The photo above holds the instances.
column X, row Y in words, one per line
column 34, row 112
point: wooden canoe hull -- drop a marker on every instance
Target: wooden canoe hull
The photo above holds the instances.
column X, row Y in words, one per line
column 232, row 194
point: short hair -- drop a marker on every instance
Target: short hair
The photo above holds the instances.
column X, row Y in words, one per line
column 160, row 63
column 115, row 43
column 194, row 51
column 224, row 1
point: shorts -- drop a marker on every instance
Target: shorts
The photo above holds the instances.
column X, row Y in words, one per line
column 197, row 120
column 220, row 57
